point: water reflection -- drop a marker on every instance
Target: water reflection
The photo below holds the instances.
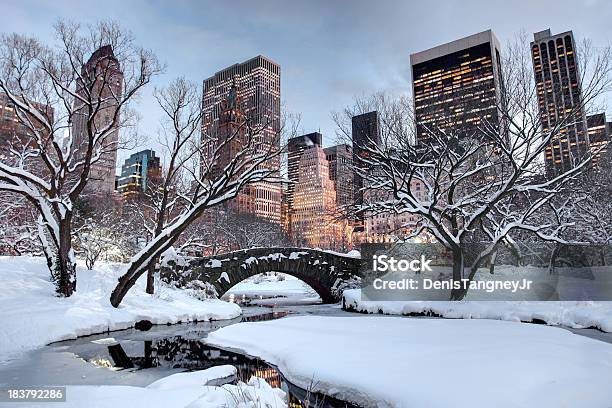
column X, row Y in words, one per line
column 187, row 352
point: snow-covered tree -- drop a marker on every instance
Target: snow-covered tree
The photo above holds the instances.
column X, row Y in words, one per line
column 200, row 173
column 51, row 88
column 102, row 230
column 593, row 210
column 479, row 185
column 18, row 235
column 242, row 231
column 222, row 230
column 167, row 195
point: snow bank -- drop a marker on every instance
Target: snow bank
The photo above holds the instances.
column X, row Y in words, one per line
column 350, row 254
column 32, row 316
column 178, row 390
column 570, row 314
column 193, row 378
column 399, row 362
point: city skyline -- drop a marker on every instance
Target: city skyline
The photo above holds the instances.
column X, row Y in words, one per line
column 382, row 52
column 199, row 199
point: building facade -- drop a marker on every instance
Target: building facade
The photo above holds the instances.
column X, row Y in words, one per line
column 14, row 134
column 457, row 87
column 560, row 99
column 599, row 131
column 231, row 137
column 340, row 159
column 104, row 81
column 390, row 227
column 285, row 216
column 257, row 83
column 139, row 171
column 295, row 148
column 12, row 131
column 313, row 216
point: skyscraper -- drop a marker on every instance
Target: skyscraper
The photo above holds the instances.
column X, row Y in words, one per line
column 365, row 133
column 314, row 203
column 457, row 87
column 257, row 82
column 340, row 159
column 285, row 216
column 559, row 99
column 104, row 80
column 230, row 138
column 137, row 173
column 295, row 148
column 599, row 136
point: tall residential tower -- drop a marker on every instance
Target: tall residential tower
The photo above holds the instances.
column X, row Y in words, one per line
column 104, row 82
column 365, row 129
column 257, row 82
column 599, row 137
column 295, row 148
column 560, row 99
column 314, row 203
column 457, row 87
column 340, row 159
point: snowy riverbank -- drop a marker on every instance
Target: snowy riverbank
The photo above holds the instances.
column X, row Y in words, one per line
column 188, row 389
column 392, row 362
column 32, row 316
column 570, row 314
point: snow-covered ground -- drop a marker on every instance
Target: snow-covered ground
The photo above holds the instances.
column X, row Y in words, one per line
column 399, row 362
column 273, row 289
column 179, row 390
column 32, row 316
column 564, row 313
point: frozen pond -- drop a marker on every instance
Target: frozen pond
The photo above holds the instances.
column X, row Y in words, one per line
column 138, row 358
column 134, row 357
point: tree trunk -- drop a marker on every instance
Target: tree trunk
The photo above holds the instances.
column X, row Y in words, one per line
column 492, row 259
column 553, row 259
column 89, row 261
column 151, row 278
column 458, row 266
column 139, row 266
column 65, row 265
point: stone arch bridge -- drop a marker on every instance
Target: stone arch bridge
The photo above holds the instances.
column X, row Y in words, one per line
column 324, row 271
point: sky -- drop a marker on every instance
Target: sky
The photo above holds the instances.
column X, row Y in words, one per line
column 330, row 51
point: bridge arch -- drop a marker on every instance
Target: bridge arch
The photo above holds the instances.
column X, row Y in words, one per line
column 323, row 271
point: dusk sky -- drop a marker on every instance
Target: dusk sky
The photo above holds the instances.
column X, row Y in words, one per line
column 329, row 51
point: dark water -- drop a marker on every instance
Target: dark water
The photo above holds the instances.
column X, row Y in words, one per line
column 169, row 351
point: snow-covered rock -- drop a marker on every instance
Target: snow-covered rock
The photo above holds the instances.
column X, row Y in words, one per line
column 398, row 362
column 563, row 313
column 32, row 316
column 170, row 255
